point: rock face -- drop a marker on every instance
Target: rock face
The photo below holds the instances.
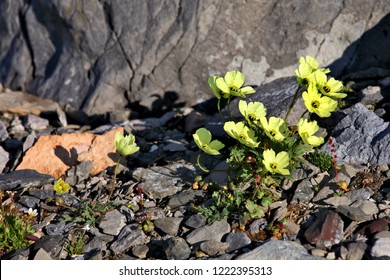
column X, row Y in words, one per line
column 361, row 137
column 98, row 55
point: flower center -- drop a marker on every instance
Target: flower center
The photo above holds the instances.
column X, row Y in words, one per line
column 273, row 133
column 305, row 81
column 205, row 145
column 326, row 88
column 315, row 104
column 242, row 136
column 252, row 117
column 273, row 165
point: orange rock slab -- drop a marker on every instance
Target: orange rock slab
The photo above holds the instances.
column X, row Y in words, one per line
column 55, row 154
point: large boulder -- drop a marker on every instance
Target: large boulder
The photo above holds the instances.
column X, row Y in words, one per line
column 100, row 55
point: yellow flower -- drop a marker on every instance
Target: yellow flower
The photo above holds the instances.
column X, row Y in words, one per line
column 252, row 111
column 332, row 87
column 315, row 103
column 305, row 70
column 125, row 144
column 211, row 80
column 60, row 186
column 275, row 128
column 276, row 163
column 231, row 85
column 306, row 130
column 202, row 138
column 242, row 133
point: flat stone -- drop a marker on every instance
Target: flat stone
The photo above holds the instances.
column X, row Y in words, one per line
column 52, row 244
column 359, row 194
column 278, row 250
column 112, row 222
column 42, row 255
column 183, row 198
column 381, row 248
column 326, row 230
column 357, row 143
column 176, row 248
column 23, row 179
column 304, row 192
column 162, row 181
column 168, row 225
column 337, row 201
column 213, row 247
column 130, row 236
column 356, row 250
column 215, row 231
column 237, row 240
column 35, row 123
column 359, row 211
column 29, row 201
column 55, row 154
column 318, row 252
column 195, row 221
column 140, row 251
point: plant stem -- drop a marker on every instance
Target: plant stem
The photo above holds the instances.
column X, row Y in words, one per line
column 229, row 111
column 219, row 109
column 292, row 103
column 115, row 172
column 200, row 166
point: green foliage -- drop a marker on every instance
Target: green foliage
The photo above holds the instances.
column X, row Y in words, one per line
column 14, row 226
column 321, row 159
column 75, row 242
column 88, row 213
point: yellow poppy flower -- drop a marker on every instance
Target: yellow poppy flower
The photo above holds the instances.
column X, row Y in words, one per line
column 306, row 68
column 275, row 128
column 252, row 111
column 202, row 138
column 315, row 103
column 242, row 133
column 125, row 144
column 306, row 130
column 60, row 186
column 332, row 87
column 276, row 163
column 232, row 84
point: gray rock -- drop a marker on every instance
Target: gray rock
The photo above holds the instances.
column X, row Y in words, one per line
column 237, row 240
column 30, row 139
column 176, row 248
column 35, row 123
column 29, row 201
column 215, row 231
column 58, row 228
column 97, row 55
column 278, row 250
column 359, row 211
column 112, row 222
column 4, row 157
column 3, row 132
column 304, row 192
column 337, row 201
column 358, row 143
column 183, row 198
column 168, row 225
column 23, row 179
column 381, row 247
column 94, row 245
column 42, row 255
column 359, row 194
column 162, row 181
column 52, row 244
column 42, row 194
column 213, row 247
column 356, row 250
column 129, row 237
column 140, row 251
column 195, row 221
